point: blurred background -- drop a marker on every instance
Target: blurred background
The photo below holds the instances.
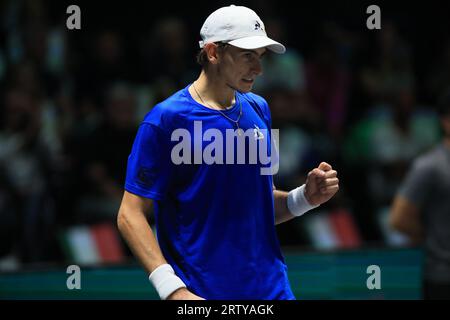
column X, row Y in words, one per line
column 71, row 101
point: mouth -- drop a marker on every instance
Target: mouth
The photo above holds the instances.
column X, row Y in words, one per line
column 249, row 81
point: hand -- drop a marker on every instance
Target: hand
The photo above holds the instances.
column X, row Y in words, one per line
column 321, row 184
column 183, row 294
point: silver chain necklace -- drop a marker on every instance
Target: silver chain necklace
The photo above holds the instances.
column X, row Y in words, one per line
column 239, row 130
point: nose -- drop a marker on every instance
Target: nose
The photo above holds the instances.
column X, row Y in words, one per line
column 257, row 67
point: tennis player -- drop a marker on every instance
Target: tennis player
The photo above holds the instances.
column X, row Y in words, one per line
column 215, row 222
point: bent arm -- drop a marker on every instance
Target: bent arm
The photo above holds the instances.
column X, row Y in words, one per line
column 404, row 217
column 136, row 231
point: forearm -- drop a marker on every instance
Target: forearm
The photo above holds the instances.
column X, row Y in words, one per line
column 140, row 238
column 136, row 231
column 404, row 217
column 412, row 230
column 415, row 234
column 282, row 213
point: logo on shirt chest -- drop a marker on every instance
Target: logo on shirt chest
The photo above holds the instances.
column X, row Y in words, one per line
column 258, row 133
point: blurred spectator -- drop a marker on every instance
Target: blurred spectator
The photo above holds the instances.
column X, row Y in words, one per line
column 328, row 83
column 390, row 69
column 438, row 78
column 104, row 65
column 422, row 206
column 79, row 120
column 25, row 75
column 401, row 131
column 26, row 162
column 284, row 71
column 283, row 83
column 27, row 43
column 104, row 156
column 167, row 56
column 380, row 147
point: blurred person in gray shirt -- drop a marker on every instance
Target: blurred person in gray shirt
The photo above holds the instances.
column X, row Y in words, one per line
column 421, row 209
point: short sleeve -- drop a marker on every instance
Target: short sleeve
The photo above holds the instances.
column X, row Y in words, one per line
column 149, row 166
column 417, row 184
column 266, row 112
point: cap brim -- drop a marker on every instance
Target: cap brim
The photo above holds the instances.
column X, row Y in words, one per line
column 257, row 42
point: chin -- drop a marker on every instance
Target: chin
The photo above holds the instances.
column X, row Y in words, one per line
column 246, row 88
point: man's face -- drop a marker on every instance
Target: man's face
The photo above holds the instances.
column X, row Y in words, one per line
column 240, row 67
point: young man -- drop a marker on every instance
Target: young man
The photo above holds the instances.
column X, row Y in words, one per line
column 421, row 210
column 215, row 221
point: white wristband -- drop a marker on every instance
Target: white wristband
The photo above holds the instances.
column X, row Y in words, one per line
column 297, row 203
column 165, row 281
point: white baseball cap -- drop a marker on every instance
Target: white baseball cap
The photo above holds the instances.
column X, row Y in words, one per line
column 239, row 26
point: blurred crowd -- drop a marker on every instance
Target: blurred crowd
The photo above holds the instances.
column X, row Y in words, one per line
column 71, row 102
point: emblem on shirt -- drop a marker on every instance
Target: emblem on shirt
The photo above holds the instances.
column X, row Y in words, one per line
column 257, row 133
column 145, row 177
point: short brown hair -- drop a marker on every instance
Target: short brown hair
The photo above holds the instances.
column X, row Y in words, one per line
column 202, row 57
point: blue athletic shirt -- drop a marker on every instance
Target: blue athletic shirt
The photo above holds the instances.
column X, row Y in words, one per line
column 215, row 222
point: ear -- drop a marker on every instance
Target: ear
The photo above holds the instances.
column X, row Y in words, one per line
column 212, row 52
